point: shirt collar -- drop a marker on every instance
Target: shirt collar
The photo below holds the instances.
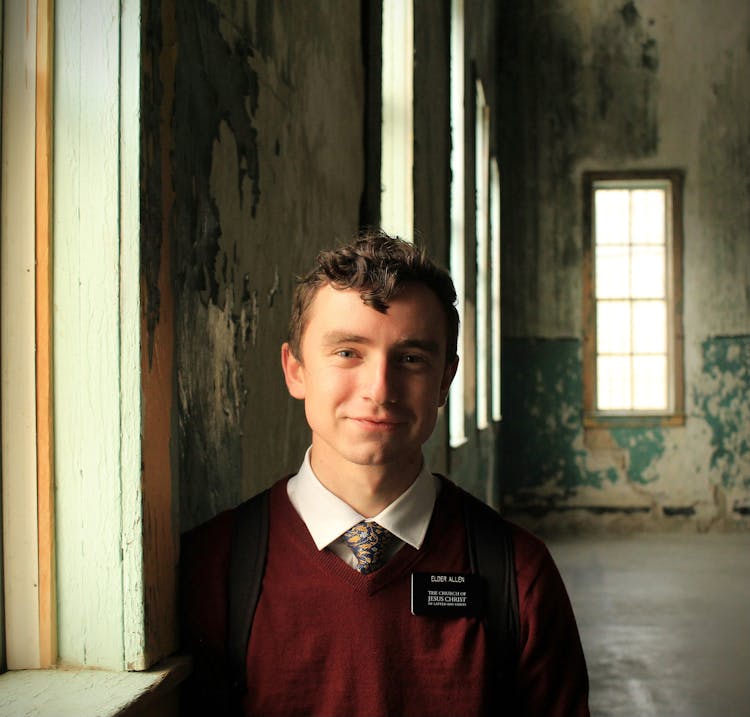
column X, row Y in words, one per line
column 327, row 516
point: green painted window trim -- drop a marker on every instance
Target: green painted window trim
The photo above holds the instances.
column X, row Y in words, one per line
column 99, row 497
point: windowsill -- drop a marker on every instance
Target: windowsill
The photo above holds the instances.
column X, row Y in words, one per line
column 595, row 420
column 458, row 441
column 74, row 692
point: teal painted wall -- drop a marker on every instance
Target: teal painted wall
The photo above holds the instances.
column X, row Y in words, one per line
column 543, row 432
column 722, row 400
column 543, row 406
column 549, row 466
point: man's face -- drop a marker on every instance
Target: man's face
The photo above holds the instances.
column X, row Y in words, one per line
column 372, row 382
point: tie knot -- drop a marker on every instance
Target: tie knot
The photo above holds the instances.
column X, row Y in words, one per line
column 368, row 541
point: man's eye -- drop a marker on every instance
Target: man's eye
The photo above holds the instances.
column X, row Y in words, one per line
column 412, row 358
column 345, row 353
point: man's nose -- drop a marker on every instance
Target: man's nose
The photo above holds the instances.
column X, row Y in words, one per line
column 380, row 382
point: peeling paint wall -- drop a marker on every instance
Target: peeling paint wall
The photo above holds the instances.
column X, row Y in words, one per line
column 261, row 112
column 624, row 84
column 721, row 400
column 431, row 175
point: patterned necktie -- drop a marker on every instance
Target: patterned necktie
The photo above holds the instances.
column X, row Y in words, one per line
column 368, row 541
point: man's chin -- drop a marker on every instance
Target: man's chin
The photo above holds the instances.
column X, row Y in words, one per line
column 384, row 456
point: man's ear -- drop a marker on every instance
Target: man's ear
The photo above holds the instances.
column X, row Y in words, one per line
column 294, row 374
column 450, row 371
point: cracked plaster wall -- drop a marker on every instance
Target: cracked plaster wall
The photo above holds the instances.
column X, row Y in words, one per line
column 624, row 85
column 257, row 116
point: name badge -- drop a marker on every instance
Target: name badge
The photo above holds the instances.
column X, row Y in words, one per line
column 446, row 594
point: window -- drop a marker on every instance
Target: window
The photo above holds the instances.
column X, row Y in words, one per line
column 497, row 412
column 80, row 563
column 633, row 322
column 457, row 404
column 482, row 221
column 397, row 139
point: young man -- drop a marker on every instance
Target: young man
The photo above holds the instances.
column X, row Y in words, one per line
column 364, row 541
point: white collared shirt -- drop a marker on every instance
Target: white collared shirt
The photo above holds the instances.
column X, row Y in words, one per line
column 327, row 517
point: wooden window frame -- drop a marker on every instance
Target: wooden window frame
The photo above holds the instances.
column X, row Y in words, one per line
column 29, row 546
column 95, row 587
column 675, row 414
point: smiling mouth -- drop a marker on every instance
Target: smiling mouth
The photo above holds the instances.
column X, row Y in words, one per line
column 378, row 424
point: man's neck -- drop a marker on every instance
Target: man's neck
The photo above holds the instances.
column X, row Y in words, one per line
column 367, row 489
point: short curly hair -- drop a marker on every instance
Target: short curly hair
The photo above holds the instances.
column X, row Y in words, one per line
column 378, row 266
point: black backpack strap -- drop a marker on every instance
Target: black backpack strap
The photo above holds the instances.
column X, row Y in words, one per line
column 246, row 567
column 490, row 547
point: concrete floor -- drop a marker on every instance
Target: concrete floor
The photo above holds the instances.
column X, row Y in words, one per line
column 664, row 621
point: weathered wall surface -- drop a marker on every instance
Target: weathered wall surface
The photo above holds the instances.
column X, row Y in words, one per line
column 625, row 85
column 262, row 108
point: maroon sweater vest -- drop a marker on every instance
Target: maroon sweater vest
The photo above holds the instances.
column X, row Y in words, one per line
column 329, row 641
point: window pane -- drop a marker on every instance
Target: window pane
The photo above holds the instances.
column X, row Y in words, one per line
column 648, row 216
column 613, row 383
column 397, row 130
column 481, row 208
column 635, row 359
column 649, row 327
column 613, row 327
column 457, row 398
column 612, row 275
column 612, row 212
column 648, row 276
column 650, row 384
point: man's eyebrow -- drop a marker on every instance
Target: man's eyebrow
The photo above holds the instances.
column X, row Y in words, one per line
column 425, row 345
column 341, row 337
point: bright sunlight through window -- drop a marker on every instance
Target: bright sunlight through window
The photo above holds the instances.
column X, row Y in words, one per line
column 633, row 261
column 397, row 200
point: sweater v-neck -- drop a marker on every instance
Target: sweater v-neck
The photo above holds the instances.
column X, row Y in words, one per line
column 405, row 560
